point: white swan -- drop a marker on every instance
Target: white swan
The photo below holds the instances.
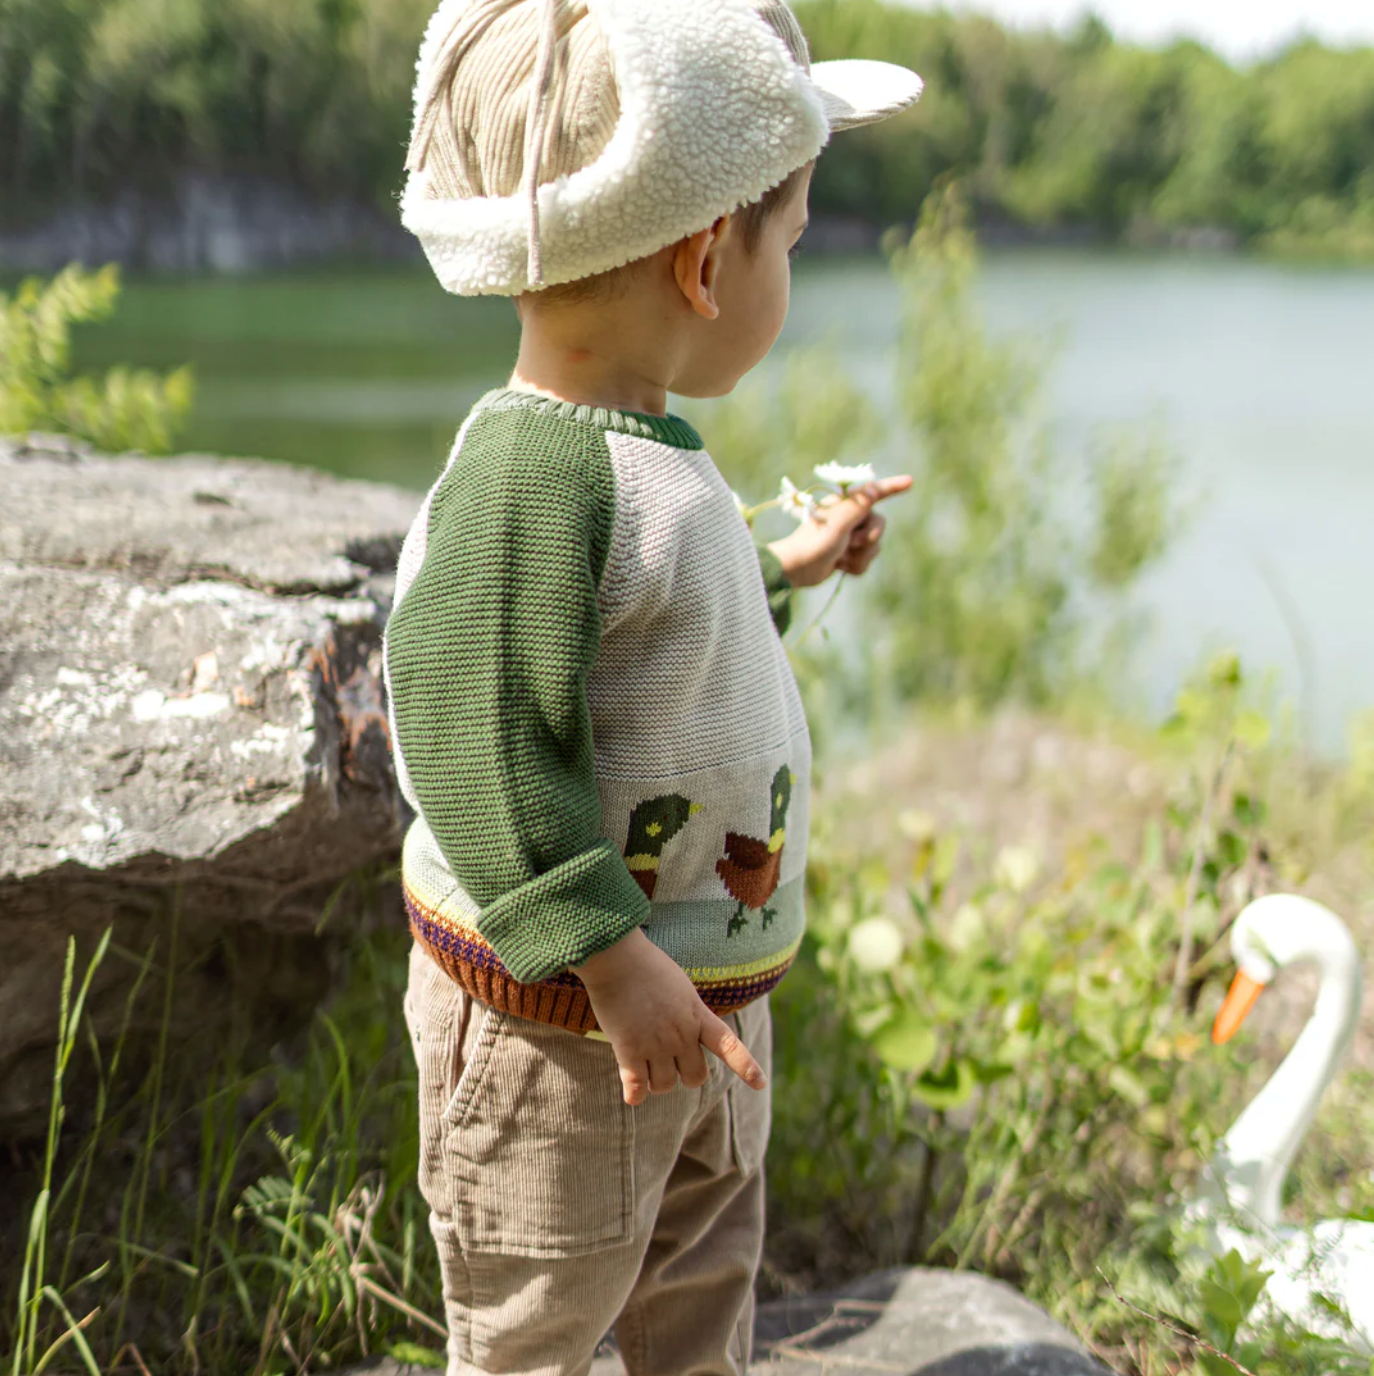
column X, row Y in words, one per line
column 1241, row 1196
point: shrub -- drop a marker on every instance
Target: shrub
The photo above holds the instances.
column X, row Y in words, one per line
column 127, row 409
column 1009, row 1071
column 990, row 579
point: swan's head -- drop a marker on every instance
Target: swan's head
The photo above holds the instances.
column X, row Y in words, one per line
column 1276, row 931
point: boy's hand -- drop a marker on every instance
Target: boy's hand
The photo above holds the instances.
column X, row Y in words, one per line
column 844, row 534
column 656, row 1022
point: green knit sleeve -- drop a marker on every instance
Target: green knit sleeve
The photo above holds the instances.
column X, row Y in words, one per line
column 488, row 655
column 778, row 587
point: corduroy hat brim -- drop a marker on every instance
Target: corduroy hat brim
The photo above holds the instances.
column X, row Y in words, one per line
column 857, row 91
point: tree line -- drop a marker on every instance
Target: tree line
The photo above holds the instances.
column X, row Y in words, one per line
column 1052, row 131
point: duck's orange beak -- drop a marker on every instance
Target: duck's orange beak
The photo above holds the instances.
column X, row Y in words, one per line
column 1240, row 999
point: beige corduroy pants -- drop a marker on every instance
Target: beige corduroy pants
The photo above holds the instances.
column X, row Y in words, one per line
column 560, row 1212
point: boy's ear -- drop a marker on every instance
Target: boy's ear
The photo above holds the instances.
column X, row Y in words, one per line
column 696, row 266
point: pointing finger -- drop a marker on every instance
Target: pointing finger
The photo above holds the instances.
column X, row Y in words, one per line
column 718, row 1038
column 882, row 488
column 850, row 511
column 634, row 1083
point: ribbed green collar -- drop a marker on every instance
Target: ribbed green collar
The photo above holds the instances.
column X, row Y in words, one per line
column 669, row 430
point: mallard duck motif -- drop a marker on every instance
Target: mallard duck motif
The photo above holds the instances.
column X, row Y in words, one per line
column 652, row 825
column 750, row 867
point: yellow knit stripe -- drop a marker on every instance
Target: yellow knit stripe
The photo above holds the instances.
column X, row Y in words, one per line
column 715, row 973
column 440, row 911
column 704, row 974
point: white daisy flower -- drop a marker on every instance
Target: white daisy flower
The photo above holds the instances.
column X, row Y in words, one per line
column 797, row 504
column 1017, row 868
column 875, row 944
column 742, row 507
column 967, row 928
column 843, row 476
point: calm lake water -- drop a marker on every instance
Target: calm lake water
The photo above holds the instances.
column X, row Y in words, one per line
column 1261, row 375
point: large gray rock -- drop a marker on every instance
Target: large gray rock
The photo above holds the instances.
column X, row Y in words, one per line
column 193, row 740
column 905, row 1322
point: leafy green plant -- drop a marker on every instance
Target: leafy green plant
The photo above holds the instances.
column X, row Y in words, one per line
column 1227, row 1295
column 989, row 582
column 127, row 409
column 1001, row 1072
column 1232, row 1335
column 255, row 1217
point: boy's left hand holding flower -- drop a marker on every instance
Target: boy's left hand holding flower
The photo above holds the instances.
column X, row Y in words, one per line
column 842, row 533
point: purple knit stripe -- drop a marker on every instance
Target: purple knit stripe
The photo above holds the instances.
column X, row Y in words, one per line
column 724, row 997
column 466, row 945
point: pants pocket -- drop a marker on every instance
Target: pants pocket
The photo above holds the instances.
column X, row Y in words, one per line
column 438, row 1015
column 540, row 1143
column 751, row 1109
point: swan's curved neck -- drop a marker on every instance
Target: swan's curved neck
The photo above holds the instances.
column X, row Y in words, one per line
column 1255, row 1155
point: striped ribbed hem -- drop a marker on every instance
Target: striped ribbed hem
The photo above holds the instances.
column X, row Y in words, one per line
column 562, row 999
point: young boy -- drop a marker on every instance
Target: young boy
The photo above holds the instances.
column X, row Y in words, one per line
column 592, row 712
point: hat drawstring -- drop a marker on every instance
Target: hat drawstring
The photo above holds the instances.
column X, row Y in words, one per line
column 432, row 105
column 536, row 124
column 466, row 31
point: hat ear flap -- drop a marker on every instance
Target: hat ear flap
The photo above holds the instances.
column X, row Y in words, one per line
column 714, row 112
column 779, row 17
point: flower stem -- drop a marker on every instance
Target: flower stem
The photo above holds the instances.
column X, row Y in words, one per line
column 820, row 615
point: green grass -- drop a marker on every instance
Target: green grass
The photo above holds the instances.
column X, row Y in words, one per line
column 995, row 1072
column 217, row 1215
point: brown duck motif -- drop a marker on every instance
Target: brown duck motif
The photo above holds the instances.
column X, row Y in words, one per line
column 750, row 867
column 652, row 825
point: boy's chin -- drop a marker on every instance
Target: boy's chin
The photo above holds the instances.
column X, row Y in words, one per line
column 705, row 389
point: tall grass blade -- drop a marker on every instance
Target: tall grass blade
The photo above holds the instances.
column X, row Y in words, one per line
column 35, row 1250
column 235, row 1273
column 73, row 1333
column 106, row 1080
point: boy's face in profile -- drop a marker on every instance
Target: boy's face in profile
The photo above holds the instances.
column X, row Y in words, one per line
column 692, row 318
column 750, row 288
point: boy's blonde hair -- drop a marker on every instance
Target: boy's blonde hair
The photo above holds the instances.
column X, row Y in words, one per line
column 471, row 128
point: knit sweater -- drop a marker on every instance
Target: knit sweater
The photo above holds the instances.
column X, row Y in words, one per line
column 592, row 713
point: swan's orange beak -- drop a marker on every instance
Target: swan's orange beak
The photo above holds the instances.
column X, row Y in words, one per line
column 1240, row 999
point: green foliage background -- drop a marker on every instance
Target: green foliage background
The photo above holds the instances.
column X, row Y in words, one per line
column 1051, row 131
column 129, row 408
column 989, row 583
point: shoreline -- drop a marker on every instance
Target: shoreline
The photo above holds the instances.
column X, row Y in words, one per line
column 240, row 226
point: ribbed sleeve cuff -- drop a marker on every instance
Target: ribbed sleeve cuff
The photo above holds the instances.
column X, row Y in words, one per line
column 778, row 587
column 565, row 915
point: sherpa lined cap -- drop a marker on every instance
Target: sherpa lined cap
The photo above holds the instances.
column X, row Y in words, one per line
column 717, row 103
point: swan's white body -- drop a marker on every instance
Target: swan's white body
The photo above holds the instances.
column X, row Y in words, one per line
column 1241, row 1196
